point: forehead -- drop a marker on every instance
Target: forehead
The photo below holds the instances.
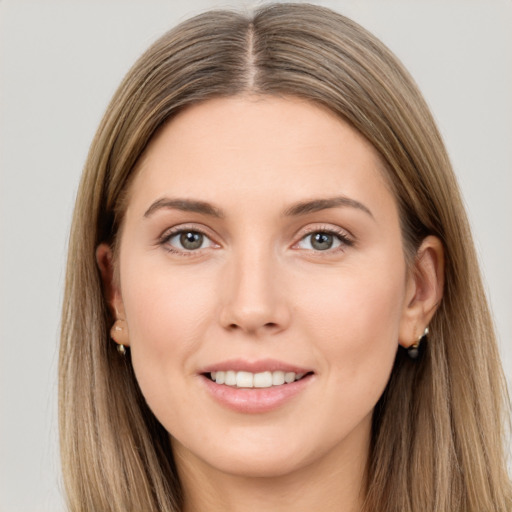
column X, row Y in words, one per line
column 266, row 149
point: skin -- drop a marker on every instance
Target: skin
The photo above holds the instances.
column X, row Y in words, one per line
column 258, row 288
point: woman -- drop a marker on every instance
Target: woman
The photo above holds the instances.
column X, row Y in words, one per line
column 278, row 305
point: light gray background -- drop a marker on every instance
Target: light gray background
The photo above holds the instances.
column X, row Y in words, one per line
column 60, row 62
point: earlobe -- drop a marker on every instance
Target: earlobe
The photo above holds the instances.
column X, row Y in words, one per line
column 119, row 334
column 424, row 291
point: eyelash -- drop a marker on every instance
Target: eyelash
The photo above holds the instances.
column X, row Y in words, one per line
column 344, row 239
column 169, row 234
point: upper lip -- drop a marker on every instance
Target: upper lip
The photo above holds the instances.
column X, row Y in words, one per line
column 258, row 366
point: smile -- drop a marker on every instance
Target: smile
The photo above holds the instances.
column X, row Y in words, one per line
column 266, row 379
column 257, row 386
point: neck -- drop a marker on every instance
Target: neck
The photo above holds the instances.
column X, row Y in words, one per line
column 336, row 482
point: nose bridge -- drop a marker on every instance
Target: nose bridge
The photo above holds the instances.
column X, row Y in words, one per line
column 254, row 301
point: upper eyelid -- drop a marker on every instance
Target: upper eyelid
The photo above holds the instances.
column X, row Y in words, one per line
column 299, row 234
column 322, row 227
column 179, row 228
column 169, row 233
column 345, row 238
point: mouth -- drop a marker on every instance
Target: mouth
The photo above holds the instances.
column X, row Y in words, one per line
column 245, row 379
column 257, row 386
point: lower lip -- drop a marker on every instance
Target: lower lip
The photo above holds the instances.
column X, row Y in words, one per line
column 255, row 400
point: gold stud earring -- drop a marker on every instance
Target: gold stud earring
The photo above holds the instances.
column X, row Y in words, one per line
column 414, row 350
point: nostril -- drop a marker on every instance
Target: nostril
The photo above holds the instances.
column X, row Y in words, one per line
column 272, row 326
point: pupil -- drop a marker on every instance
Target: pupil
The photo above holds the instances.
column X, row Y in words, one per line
column 191, row 240
column 322, row 241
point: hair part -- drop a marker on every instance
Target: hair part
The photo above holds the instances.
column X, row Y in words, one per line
column 438, row 435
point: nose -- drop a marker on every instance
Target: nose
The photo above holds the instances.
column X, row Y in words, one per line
column 254, row 296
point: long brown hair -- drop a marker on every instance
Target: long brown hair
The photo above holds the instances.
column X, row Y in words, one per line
column 438, row 430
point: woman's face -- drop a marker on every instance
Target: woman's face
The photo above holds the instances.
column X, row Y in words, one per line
column 261, row 243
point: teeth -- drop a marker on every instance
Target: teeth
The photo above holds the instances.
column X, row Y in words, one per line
column 230, row 378
column 289, row 377
column 277, row 378
column 262, row 380
column 244, row 380
column 255, row 380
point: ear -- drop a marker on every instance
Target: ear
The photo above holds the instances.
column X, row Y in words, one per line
column 424, row 290
column 112, row 292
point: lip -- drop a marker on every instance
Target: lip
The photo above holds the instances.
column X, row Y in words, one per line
column 261, row 365
column 255, row 400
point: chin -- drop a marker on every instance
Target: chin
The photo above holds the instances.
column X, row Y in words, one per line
column 258, row 466
column 252, row 458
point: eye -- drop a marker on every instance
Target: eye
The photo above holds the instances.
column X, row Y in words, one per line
column 187, row 240
column 323, row 241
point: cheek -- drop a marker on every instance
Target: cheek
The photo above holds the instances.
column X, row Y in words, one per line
column 166, row 313
column 164, row 305
column 355, row 331
column 355, row 319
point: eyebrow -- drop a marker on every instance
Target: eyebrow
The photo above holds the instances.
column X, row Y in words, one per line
column 317, row 205
column 302, row 208
column 185, row 205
